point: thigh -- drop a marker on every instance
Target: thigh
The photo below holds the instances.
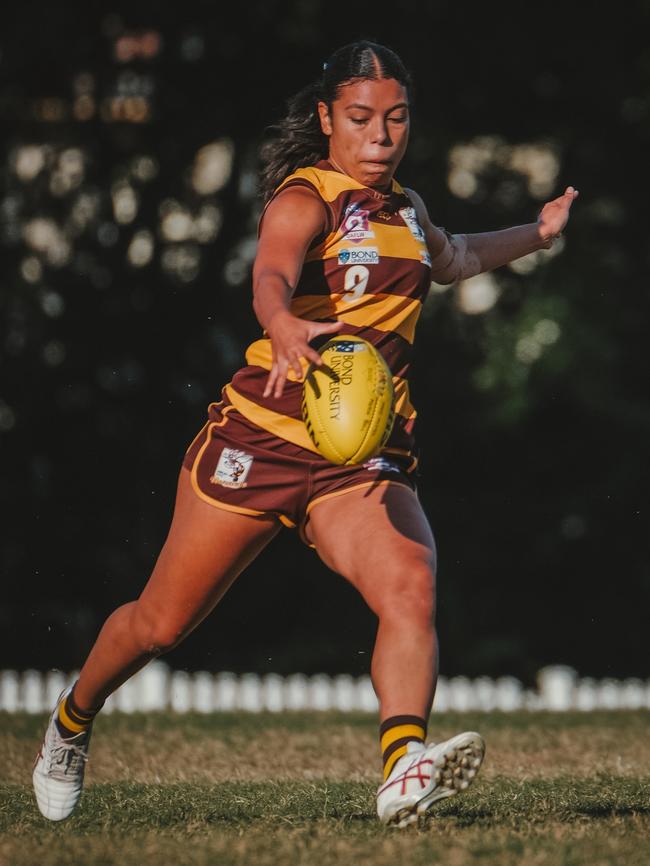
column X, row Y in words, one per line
column 206, row 549
column 376, row 537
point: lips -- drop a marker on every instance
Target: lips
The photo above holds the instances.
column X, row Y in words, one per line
column 377, row 165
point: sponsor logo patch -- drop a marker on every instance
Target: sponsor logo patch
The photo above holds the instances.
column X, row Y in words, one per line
column 232, row 469
column 361, row 256
column 380, row 464
column 409, row 216
column 356, row 225
column 350, row 346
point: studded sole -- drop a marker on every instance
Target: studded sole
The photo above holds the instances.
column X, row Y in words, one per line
column 453, row 772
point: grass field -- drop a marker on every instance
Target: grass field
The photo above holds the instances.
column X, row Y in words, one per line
column 299, row 788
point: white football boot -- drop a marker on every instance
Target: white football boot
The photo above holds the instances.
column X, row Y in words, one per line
column 427, row 773
column 59, row 769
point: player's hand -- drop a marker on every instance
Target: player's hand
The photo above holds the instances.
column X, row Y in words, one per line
column 290, row 338
column 554, row 216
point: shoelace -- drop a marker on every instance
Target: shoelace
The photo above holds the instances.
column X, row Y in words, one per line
column 66, row 759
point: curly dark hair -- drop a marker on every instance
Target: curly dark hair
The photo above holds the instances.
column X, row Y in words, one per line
column 297, row 140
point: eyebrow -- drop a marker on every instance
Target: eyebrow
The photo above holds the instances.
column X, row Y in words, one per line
column 369, row 108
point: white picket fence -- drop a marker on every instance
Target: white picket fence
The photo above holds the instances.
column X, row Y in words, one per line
column 157, row 687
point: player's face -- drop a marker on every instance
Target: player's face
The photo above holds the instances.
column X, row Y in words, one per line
column 368, row 129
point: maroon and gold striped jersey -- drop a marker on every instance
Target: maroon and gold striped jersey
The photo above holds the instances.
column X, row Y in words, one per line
column 370, row 269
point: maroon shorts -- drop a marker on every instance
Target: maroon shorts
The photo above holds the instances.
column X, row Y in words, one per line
column 241, row 467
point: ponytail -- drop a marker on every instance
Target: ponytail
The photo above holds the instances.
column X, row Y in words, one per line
column 298, row 140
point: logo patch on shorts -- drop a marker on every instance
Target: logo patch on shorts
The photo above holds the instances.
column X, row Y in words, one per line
column 232, row 468
column 380, row 464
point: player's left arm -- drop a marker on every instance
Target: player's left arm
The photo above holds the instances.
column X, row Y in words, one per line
column 457, row 257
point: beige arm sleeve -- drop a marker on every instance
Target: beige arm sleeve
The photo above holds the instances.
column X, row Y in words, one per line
column 455, row 261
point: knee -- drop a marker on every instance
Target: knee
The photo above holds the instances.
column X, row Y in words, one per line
column 155, row 634
column 409, row 596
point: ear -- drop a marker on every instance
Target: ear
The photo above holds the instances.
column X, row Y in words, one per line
column 325, row 119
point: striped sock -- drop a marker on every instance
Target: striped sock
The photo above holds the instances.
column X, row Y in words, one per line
column 71, row 720
column 395, row 733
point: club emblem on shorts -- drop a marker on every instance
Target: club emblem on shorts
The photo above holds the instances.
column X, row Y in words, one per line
column 232, row 468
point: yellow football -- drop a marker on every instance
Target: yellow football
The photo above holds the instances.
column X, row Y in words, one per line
column 347, row 403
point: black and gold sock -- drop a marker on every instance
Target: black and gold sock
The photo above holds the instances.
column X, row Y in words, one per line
column 395, row 733
column 70, row 720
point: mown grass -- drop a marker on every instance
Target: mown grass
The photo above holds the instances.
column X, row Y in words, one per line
column 299, row 789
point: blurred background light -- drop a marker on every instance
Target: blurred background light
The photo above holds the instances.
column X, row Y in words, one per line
column 54, row 353
column 176, row 221
column 182, row 261
column 125, row 202
column 538, row 162
column 31, row 269
column 213, row 166
column 45, row 236
column 478, row 294
column 144, row 168
column 68, row 172
column 52, row 304
column 144, row 45
column 85, row 209
column 29, row 160
column 141, row 248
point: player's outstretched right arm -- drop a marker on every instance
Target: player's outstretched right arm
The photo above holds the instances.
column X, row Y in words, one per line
column 290, row 223
column 459, row 256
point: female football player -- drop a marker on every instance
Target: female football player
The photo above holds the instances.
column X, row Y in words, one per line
column 343, row 249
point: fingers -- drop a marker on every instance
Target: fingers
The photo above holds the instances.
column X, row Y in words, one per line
column 270, row 382
column 290, row 353
column 296, row 365
column 313, row 356
column 318, row 328
column 280, row 378
column 327, row 327
column 279, row 373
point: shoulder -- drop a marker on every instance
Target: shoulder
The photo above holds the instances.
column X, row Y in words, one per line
column 306, row 195
column 293, row 209
column 419, row 205
column 311, row 177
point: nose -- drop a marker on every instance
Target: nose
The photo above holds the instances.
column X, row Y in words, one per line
column 379, row 132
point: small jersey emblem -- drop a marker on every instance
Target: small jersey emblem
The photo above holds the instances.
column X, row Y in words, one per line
column 232, row 469
column 360, row 256
column 409, row 216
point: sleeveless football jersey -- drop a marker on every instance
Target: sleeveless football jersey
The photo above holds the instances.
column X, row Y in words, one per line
column 370, row 269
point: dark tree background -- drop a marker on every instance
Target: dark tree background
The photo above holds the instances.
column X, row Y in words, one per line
column 128, row 217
